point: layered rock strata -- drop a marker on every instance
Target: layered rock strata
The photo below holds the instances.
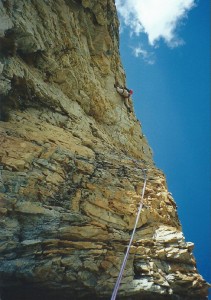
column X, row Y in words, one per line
column 72, row 160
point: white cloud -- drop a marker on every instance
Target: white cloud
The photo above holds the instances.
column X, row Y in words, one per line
column 147, row 56
column 157, row 18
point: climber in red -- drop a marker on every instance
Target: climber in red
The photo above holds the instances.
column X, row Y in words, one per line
column 124, row 92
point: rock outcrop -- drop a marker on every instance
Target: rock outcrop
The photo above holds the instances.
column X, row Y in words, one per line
column 72, row 160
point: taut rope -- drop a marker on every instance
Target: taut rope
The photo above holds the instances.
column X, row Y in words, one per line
column 114, row 294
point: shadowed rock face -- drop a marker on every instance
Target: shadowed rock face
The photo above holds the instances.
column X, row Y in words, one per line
column 72, row 160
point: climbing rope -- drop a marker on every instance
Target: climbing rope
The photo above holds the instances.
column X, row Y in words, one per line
column 114, row 294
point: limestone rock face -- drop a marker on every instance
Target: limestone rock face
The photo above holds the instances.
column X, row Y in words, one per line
column 71, row 165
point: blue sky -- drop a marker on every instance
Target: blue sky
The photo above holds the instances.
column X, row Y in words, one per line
column 168, row 67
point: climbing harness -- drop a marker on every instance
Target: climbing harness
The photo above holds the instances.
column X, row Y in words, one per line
column 114, row 294
column 123, row 92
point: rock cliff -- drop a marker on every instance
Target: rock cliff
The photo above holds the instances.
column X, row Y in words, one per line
column 72, row 159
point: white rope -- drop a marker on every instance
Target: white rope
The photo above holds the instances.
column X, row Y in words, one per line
column 114, row 294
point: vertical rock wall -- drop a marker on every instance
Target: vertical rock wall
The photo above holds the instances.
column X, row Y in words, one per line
column 71, row 165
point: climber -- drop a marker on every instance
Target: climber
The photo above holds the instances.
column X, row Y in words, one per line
column 125, row 93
